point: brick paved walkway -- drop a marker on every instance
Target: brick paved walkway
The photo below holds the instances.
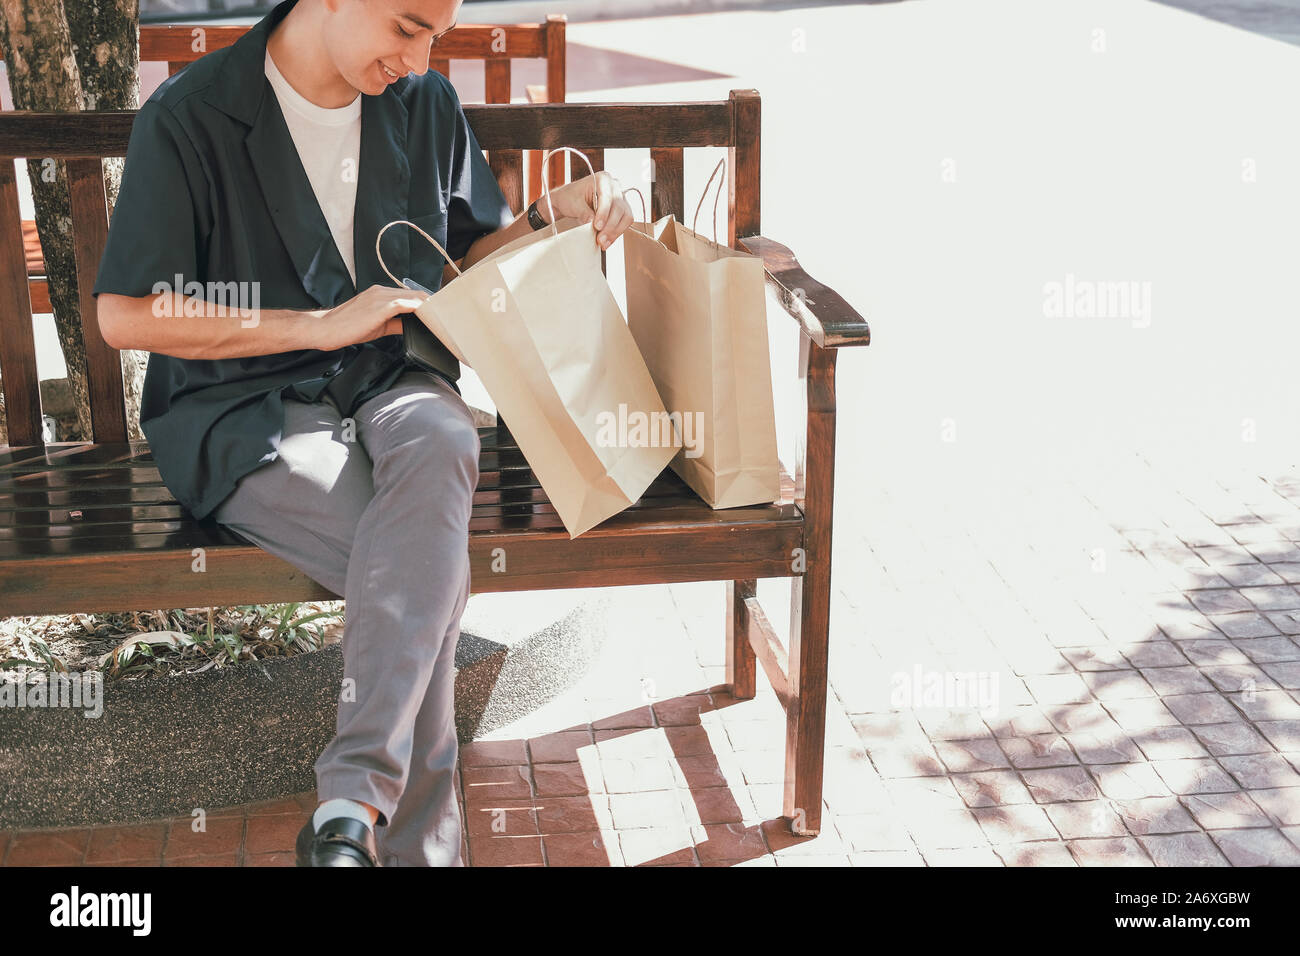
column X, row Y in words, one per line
column 1157, row 722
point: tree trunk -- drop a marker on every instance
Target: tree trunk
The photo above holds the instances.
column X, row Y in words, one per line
column 43, row 75
column 61, row 63
column 105, row 40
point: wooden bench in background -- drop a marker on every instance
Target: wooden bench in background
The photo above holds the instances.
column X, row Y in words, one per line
column 496, row 45
column 90, row 527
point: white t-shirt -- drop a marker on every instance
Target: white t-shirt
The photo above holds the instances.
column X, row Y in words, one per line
column 329, row 145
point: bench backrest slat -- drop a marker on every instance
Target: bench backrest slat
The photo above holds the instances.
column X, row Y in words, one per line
column 742, row 167
column 556, row 84
column 514, row 126
column 612, row 125
column 496, row 81
column 503, row 130
column 89, row 236
column 17, row 345
column 667, row 188
column 174, row 43
column 507, row 164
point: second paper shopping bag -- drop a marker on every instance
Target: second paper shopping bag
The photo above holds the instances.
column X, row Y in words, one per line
column 538, row 323
column 698, row 312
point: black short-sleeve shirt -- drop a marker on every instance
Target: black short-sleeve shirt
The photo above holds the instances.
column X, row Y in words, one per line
column 213, row 192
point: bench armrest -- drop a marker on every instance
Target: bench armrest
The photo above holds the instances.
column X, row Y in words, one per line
column 825, row 317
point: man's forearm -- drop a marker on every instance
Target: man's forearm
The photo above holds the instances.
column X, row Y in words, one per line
column 218, row 336
column 264, row 332
column 484, row 246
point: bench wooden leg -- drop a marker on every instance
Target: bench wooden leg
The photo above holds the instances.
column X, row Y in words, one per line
column 740, row 653
column 805, row 711
column 798, row 678
column 810, row 599
column 798, row 673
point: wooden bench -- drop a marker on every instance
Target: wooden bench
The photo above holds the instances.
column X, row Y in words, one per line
column 90, row 527
column 495, row 45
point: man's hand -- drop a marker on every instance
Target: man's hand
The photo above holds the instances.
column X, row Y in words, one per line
column 599, row 198
column 370, row 314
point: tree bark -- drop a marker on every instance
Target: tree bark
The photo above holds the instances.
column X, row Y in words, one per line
column 66, row 63
column 105, row 40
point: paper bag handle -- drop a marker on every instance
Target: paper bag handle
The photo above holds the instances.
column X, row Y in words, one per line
column 633, row 189
column 721, row 165
column 545, row 192
column 546, row 180
column 407, row 222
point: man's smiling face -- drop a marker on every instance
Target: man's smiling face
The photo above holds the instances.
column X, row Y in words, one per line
column 374, row 43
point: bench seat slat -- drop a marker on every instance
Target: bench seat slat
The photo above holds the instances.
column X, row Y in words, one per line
column 127, row 511
column 69, row 452
column 125, row 538
column 686, row 521
column 35, row 523
column 135, row 450
column 108, row 571
column 122, row 537
column 93, row 581
column 92, row 500
column 102, row 484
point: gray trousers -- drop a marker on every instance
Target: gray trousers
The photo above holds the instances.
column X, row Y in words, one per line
column 376, row 508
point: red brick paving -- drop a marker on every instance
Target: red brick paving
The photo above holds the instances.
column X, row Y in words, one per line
column 1167, row 746
column 527, row 802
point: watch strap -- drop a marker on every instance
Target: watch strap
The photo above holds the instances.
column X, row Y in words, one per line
column 534, row 217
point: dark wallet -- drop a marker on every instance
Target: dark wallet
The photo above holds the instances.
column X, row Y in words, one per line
column 421, row 347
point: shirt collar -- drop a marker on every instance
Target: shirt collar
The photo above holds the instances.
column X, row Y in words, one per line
column 242, row 91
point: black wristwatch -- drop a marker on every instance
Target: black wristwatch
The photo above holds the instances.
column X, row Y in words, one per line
column 535, row 218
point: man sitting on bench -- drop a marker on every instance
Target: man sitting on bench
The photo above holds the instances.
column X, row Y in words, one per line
column 272, row 164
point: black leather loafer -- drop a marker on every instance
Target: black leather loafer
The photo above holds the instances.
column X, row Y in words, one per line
column 342, row 841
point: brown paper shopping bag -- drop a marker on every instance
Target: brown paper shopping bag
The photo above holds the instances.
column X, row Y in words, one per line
column 698, row 313
column 539, row 324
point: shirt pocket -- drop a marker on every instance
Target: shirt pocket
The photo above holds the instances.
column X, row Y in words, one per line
column 427, row 262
